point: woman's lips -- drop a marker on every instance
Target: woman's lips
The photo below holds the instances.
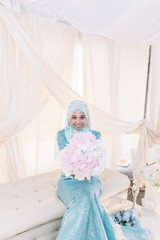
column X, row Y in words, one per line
column 78, row 126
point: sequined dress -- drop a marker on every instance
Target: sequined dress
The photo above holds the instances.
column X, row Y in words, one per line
column 85, row 218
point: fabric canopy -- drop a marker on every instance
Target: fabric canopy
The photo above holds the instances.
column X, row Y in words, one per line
column 43, row 64
column 136, row 22
column 58, row 88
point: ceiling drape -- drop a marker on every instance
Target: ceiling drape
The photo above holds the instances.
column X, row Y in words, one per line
column 136, row 22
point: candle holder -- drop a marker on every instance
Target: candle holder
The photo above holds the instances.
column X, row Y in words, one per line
column 135, row 191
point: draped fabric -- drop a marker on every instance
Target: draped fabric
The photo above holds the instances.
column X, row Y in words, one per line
column 62, row 92
column 124, row 20
column 19, row 103
column 18, row 95
column 22, row 94
column 38, row 61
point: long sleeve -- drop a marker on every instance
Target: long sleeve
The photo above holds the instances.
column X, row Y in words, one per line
column 61, row 139
column 97, row 134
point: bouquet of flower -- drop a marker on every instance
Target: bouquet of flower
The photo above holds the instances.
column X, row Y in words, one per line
column 126, row 218
column 83, row 157
column 151, row 172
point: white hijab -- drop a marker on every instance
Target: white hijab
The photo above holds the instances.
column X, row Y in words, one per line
column 76, row 105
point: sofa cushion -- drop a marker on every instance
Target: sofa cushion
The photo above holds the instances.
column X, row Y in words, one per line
column 112, row 183
column 32, row 201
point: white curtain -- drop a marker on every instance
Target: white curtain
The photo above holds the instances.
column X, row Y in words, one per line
column 22, row 94
column 115, row 86
column 47, row 52
column 18, row 95
column 19, row 103
column 56, row 85
column 124, row 20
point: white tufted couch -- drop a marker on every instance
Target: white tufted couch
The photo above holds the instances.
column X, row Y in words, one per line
column 31, row 210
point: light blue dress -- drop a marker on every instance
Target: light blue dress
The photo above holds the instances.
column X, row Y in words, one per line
column 85, row 218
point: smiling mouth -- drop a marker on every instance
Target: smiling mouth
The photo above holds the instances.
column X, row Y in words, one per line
column 78, row 126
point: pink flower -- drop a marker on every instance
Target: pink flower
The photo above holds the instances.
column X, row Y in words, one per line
column 83, row 157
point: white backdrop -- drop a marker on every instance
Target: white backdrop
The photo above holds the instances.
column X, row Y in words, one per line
column 39, row 65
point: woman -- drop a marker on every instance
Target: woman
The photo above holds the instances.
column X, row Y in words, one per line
column 85, row 218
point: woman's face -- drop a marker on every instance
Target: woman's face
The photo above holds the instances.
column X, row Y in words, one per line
column 78, row 120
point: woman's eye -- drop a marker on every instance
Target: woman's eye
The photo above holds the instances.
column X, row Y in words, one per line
column 73, row 117
column 82, row 117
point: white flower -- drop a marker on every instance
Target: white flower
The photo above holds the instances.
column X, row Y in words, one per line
column 83, row 157
column 151, row 172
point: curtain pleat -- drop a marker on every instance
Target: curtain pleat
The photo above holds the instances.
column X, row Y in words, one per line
column 38, row 61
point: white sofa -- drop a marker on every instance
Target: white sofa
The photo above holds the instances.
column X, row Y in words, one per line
column 31, row 210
